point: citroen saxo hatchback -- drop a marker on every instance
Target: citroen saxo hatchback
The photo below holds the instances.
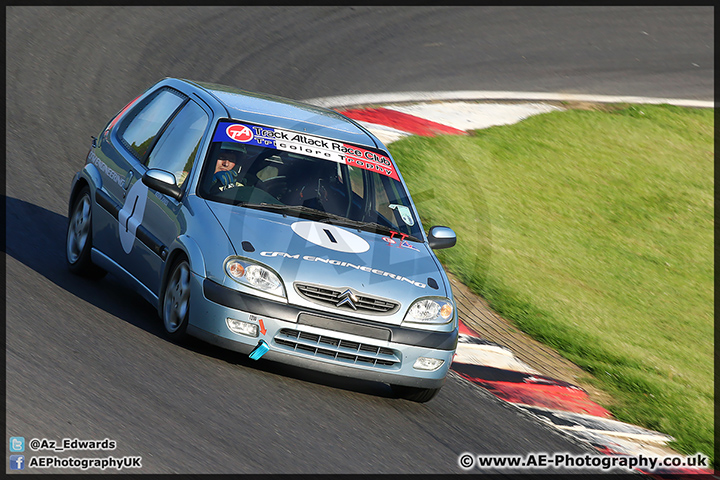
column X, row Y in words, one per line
column 269, row 227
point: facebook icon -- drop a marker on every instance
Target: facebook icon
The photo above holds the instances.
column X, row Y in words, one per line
column 17, row 462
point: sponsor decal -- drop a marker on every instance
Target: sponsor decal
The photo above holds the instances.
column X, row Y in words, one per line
column 310, row 258
column 239, row 133
column 400, row 242
column 404, row 213
column 102, row 166
column 162, row 198
column 229, row 186
column 131, row 214
column 330, row 236
column 318, row 147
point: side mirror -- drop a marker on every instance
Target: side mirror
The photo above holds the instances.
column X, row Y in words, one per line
column 441, row 237
column 163, row 182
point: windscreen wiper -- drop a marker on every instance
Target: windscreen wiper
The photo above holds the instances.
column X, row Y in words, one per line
column 323, row 216
column 277, row 206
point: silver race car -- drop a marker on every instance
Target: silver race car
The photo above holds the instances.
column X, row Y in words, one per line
column 269, row 227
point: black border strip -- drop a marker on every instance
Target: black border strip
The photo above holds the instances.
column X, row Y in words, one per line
column 107, row 203
column 151, row 241
column 344, row 326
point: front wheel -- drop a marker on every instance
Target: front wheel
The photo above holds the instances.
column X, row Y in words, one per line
column 176, row 301
column 78, row 240
column 414, row 394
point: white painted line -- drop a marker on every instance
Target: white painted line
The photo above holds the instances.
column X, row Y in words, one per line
column 623, row 445
column 465, row 95
column 646, row 442
column 490, row 356
column 384, row 133
column 660, row 439
column 474, row 116
column 384, row 128
column 584, row 421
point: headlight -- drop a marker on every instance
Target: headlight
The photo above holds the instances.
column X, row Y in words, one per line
column 254, row 275
column 430, row 311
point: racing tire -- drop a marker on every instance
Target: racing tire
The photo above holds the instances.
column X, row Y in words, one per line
column 414, row 394
column 78, row 238
column 176, row 301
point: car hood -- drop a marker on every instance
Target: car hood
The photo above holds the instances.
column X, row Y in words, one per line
column 306, row 251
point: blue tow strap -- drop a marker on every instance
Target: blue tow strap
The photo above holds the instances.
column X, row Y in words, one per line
column 260, row 350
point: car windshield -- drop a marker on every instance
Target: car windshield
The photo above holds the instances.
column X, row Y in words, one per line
column 308, row 186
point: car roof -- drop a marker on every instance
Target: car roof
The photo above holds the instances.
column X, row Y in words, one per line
column 274, row 111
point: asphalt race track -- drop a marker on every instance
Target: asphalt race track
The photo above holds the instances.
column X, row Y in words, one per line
column 89, row 360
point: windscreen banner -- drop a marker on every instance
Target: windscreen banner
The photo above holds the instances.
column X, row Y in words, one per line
column 310, row 145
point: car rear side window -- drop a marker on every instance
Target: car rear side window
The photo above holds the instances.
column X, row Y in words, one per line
column 177, row 147
column 140, row 129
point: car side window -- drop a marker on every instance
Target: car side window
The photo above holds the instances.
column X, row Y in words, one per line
column 139, row 130
column 356, row 181
column 382, row 202
column 177, row 147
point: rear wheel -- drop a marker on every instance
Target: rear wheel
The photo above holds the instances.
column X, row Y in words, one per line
column 414, row 394
column 176, row 301
column 78, row 240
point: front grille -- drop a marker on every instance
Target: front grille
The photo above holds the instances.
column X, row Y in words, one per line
column 332, row 296
column 337, row 349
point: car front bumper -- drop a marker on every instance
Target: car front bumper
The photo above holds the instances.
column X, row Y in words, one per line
column 317, row 340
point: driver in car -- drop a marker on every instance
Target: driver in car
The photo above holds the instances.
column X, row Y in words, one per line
column 226, row 174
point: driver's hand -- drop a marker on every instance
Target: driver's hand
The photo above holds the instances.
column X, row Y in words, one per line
column 225, row 177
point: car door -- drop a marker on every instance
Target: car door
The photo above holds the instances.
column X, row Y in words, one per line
column 175, row 151
column 125, row 150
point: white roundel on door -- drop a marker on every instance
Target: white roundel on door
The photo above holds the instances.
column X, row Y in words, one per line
column 131, row 214
column 330, row 236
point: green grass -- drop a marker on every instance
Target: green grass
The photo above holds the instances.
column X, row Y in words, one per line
column 593, row 231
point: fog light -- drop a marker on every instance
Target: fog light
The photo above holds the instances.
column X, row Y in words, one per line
column 242, row 328
column 426, row 363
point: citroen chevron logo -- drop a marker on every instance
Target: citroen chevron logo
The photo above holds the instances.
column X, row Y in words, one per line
column 349, row 298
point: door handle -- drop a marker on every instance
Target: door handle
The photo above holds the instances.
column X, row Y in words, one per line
column 128, row 179
column 126, row 183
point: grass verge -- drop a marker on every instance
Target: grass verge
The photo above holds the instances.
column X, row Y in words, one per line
column 593, row 231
